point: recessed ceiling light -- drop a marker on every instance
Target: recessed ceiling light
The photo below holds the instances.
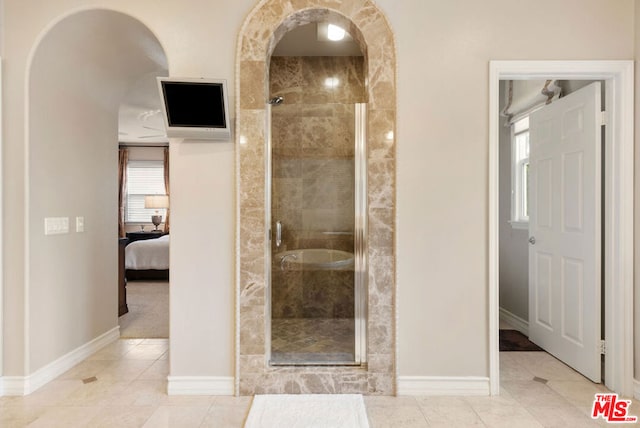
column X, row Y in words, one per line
column 335, row 33
column 331, row 82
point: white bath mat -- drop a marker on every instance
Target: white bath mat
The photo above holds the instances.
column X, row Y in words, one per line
column 307, row 411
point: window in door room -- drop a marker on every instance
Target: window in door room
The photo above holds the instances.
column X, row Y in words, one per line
column 520, row 173
column 143, row 178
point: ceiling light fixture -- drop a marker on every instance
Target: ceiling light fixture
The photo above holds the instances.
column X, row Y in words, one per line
column 331, row 82
column 335, row 33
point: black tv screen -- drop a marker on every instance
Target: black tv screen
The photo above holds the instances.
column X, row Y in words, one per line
column 195, row 108
column 191, row 104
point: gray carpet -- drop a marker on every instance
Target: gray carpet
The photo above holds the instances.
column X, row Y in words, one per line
column 148, row 315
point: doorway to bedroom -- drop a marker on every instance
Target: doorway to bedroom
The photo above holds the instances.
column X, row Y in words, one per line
column 143, row 307
column 144, row 211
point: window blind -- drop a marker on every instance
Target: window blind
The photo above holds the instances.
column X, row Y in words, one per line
column 143, row 178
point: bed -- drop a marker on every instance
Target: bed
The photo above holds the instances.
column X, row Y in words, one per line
column 147, row 259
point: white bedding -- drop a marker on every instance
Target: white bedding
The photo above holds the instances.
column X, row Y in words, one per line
column 147, row 254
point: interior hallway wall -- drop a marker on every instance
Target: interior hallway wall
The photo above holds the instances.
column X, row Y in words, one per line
column 75, row 88
column 442, row 202
column 637, row 193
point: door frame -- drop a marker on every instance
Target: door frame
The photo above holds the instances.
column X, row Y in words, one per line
column 618, row 200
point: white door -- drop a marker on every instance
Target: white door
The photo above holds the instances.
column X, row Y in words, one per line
column 564, row 229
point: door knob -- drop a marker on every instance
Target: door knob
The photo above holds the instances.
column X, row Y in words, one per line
column 532, row 240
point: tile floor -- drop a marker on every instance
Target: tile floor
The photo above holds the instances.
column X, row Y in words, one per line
column 312, row 340
column 124, row 385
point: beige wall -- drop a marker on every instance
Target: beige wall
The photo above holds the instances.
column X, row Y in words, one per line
column 443, row 54
column 637, row 199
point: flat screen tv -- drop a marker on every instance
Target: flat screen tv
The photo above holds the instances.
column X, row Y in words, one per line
column 195, row 108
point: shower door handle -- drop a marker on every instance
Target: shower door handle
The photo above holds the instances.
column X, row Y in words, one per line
column 278, row 234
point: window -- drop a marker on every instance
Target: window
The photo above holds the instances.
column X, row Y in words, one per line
column 143, row 178
column 520, row 173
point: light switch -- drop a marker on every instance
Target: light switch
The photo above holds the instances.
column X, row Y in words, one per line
column 79, row 224
column 56, row 225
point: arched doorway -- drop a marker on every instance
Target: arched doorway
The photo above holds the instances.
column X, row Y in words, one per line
column 262, row 30
column 78, row 74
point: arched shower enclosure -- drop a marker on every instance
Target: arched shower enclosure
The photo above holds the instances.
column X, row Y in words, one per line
column 316, row 195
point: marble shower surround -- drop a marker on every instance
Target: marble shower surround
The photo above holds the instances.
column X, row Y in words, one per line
column 263, row 28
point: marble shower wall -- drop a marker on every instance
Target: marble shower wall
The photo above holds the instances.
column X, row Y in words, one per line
column 313, row 138
column 263, row 28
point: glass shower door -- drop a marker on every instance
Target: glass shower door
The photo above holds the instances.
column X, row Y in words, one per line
column 317, row 264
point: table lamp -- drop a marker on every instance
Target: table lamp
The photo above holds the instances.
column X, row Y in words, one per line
column 156, row 202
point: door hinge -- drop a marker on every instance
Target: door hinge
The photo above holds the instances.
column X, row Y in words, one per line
column 604, row 118
column 603, row 347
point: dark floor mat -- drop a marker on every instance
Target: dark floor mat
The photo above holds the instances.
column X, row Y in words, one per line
column 513, row 340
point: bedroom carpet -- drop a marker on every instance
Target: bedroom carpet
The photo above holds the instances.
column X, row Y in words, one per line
column 148, row 315
column 307, row 411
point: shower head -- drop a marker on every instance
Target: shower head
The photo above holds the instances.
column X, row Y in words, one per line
column 276, row 100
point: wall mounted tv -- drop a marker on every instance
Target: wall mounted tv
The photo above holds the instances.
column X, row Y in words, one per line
column 195, row 108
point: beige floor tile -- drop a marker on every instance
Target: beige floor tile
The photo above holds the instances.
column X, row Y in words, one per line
column 487, row 403
column 189, row 400
column 48, row 395
column 159, row 370
column 448, row 412
column 580, row 393
column 141, row 393
column 561, row 417
column 382, row 401
column 176, row 417
column 115, row 350
column 226, row 416
column 440, row 401
column 155, row 342
column 396, row 417
column 512, row 368
column 546, row 366
column 85, row 369
column 225, row 400
column 125, row 369
column 19, row 416
column 65, row 417
column 534, row 394
column 98, row 393
column 145, row 352
column 502, row 412
column 121, row 416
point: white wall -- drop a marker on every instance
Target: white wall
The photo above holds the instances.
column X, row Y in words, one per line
column 443, row 54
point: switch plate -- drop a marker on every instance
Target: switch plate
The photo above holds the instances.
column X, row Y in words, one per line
column 56, row 225
column 79, row 224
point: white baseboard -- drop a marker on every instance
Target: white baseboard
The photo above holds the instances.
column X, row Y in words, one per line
column 515, row 321
column 439, row 385
column 200, row 385
column 25, row 385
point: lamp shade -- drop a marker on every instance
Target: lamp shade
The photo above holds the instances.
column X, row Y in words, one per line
column 156, row 201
